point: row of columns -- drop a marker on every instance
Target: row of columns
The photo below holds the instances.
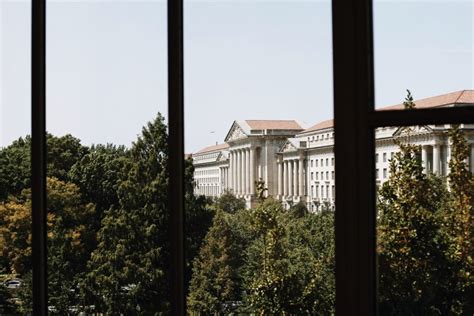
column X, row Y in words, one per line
column 291, row 177
column 224, row 179
column 242, row 166
column 437, row 167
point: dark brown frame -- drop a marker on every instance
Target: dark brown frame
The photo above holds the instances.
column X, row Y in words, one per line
column 355, row 119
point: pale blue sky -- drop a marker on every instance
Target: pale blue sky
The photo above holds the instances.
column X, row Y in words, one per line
column 243, row 60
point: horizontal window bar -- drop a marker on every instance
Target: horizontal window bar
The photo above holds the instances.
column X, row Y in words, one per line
column 459, row 114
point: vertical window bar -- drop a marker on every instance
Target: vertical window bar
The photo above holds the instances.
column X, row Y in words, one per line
column 38, row 156
column 354, row 153
column 176, row 153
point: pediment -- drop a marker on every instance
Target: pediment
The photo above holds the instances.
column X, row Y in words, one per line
column 412, row 130
column 288, row 147
column 221, row 157
column 235, row 133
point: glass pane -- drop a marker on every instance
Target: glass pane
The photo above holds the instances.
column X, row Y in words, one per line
column 425, row 202
column 107, row 156
column 258, row 95
column 426, row 47
column 15, row 167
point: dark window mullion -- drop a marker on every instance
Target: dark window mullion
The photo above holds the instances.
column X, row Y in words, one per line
column 448, row 115
column 354, row 154
column 38, row 156
column 176, row 154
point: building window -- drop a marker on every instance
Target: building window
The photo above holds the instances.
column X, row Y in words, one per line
column 384, row 157
column 376, row 158
column 312, row 175
column 332, row 175
column 332, row 161
column 311, row 163
column 317, row 177
column 384, row 173
column 316, row 161
column 376, row 173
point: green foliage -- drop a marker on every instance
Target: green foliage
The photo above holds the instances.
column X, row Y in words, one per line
column 70, row 240
column 128, row 268
column 229, row 203
column 15, row 170
column 199, row 217
column 63, row 153
column 291, row 266
column 298, row 210
column 215, row 271
column 15, row 166
column 422, row 232
column 99, row 174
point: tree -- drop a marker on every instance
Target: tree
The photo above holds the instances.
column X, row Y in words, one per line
column 15, row 169
column 15, row 162
column 417, row 275
column 198, row 218
column 99, row 174
column 128, row 270
column 458, row 218
column 63, row 153
column 215, row 271
column 229, row 203
column 70, row 240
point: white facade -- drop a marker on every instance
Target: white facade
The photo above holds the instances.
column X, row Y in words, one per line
column 297, row 165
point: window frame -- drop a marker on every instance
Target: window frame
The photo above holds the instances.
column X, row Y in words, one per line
column 355, row 121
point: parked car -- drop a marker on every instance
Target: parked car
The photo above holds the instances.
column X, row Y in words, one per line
column 12, row 283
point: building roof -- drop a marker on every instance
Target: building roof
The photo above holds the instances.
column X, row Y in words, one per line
column 463, row 97
column 273, row 124
column 213, row 148
column 449, row 99
column 319, row 126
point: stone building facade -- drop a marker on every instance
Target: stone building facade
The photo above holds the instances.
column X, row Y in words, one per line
column 297, row 165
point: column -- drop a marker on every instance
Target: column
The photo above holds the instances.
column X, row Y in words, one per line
column 248, row 170
column 436, row 158
column 301, row 178
column 221, row 181
column 295, row 177
column 285, row 177
column 280, row 175
column 472, row 159
column 448, row 156
column 232, row 171
column 252, row 170
column 424, row 159
column 243, row 172
column 239, row 172
column 290, row 177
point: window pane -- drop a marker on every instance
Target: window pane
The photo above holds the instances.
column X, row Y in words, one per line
column 15, row 166
column 424, row 220
column 426, row 47
column 258, row 95
column 107, row 155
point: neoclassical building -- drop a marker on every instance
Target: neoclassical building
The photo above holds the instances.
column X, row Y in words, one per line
column 297, row 164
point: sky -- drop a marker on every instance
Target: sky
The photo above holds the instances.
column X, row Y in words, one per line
column 107, row 63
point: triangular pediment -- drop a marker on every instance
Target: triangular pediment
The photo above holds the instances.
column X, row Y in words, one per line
column 222, row 157
column 236, row 132
column 412, row 130
column 288, row 146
